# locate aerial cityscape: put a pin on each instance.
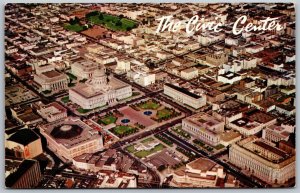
(97, 96)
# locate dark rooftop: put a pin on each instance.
(183, 90)
(23, 168)
(24, 136)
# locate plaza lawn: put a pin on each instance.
(145, 153)
(147, 140)
(130, 149)
(122, 130)
(112, 22)
(74, 27)
(149, 105)
(65, 99)
(108, 120)
(163, 113)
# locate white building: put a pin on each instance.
(262, 160)
(184, 96)
(51, 80)
(201, 172)
(51, 112)
(277, 133)
(253, 123)
(123, 65)
(83, 69)
(99, 90)
(204, 127)
(71, 137)
(141, 78)
(189, 73)
(145, 79)
(229, 77)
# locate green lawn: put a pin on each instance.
(147, 140)
(108, 119)
(130, 149)
(181, 132)
(144, 153)
(81, 110)
(219, 146)
(163, 113)
(65, 99)
(75, 27)
(149, 105)
(71, 76)
(46, 91)
(112, 22)
(71, 84)
(123, 130)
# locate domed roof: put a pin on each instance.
(99, 72)
(66, 131)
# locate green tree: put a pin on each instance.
(101, 16)
(118, 23)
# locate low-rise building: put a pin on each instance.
(277, 133)
(204, 127)
(51, 112)
(184, 96)
(201, 172)
(189, 73)
(25, 143)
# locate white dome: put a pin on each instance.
(99, 72)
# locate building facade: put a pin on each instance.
(84, 69)
(201, 172)
(100, 90)
(25, 143)
(51, 112)
(71, 137)
(204, 127)
(262, 160)
(51, 80)
(184, 96)
(28, 175)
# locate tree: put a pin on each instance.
(101, 16)
(118, 23)
(90, 14)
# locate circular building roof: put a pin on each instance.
(66, 131)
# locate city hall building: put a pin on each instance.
(99, 90)
(256, 157)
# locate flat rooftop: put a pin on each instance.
(202, 164)
(51, 74)
(183, 90)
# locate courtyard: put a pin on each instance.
(145, 147)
